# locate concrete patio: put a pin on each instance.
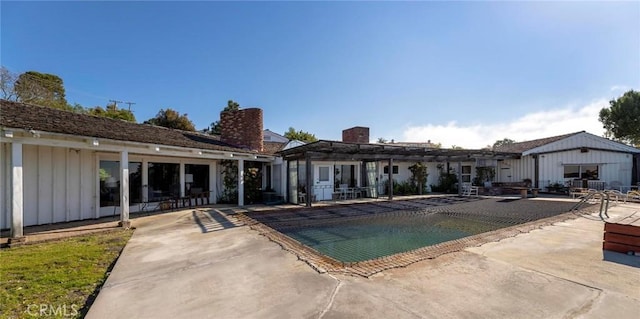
(204, 264)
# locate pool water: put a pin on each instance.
(361, 239)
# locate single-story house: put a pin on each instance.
(60, 166)
(578, 159)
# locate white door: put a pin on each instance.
(322, 182)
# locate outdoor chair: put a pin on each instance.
(635, 195)
(578, 192)
(615, 185)
(615, 194)
(343, 190)
(468, 189)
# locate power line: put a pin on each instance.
(48, 82)
(115, 103)
(129, 103)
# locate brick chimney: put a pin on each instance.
(357, 134)
(243, 128)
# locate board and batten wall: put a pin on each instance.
(5, 188)
(613, 166)
(515, 170)
(58, 184)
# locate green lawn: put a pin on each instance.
(55, 279)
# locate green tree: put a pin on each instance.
(7, 81)
(502, 142)
(216, 127)
(41, 89)
(419, 175)
(112, 111)
(292, 134)
(171, 119)
(382, 140)
(622, 119)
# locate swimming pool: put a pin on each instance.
(371, 237)
(366, 238)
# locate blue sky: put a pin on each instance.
(458, 73)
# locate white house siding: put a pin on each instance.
(404, 174)
(58, 184)
(434, 174)
(515, 170)
(612, 166)
(579, 141)
(4, 186)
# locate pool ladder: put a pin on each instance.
(594, 194)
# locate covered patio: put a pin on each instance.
(309, 166)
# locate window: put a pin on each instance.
(395, 169)
(581, 171)
(345, 174)
(466, 173)
(323, 172)
(302, 176)
(164, 181)
(267, 174)
(200, 178)
(110, 183)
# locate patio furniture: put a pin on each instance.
(578, 192)
(343, 191)
(597, 185)
(468, 189)
(525, 190)
(302, 198)
(615, 185)
(635, 195)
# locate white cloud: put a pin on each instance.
(531, 126)
(619, 88)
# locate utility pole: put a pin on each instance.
(115, 103)
(130, 103)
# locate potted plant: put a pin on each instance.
(484, 176)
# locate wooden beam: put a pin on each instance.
(309, 186)
(390, 171)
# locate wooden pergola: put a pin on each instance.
(324, 150)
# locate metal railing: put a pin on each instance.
(595, 195)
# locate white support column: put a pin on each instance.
(459, 178)
(96, 195)
(271, 174)
(390, 177)
(145, 180)
(17, 194)
(213, 182)
(240, 182)
(182, 179)
(124, 190)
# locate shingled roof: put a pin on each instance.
(520, 147)
(272, 148)
(46, 119)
